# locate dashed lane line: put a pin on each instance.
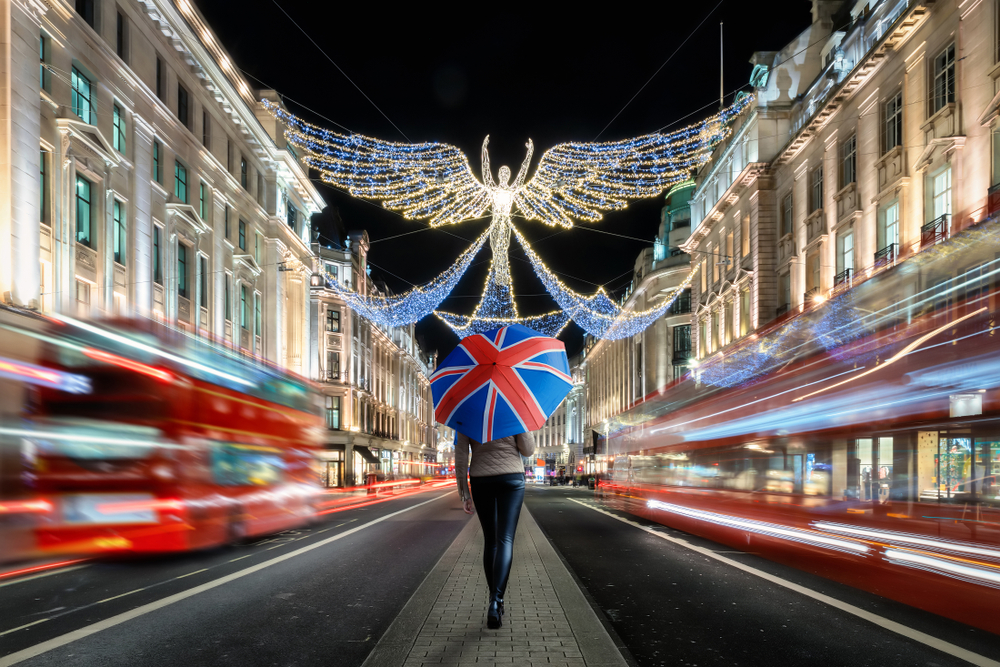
(49, 573)
(70, 637)
(892, 626)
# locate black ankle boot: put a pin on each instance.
(494, 615)
(500, 607)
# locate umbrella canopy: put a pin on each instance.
(502, 382)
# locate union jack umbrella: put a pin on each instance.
(502, 382)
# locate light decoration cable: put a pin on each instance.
(573, 181)
(413, 305)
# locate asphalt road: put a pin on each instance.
(327, 605)
(671, 605)
(325, 595)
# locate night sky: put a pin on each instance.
(552, 76)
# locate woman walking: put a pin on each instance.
(498, 491)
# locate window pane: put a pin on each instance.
(83, 210)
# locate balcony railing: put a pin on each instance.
(331, 376)
(781, 310)
(811, 294)
(844, 278)
(681, 356)
(934, 231)
(886, 256)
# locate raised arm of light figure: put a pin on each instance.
(521, 175)
(487, 174)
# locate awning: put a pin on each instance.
(366, 454)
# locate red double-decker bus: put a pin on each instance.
(177, 445)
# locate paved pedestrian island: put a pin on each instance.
(547, 622)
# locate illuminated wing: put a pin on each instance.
(577, 181)
(428, 180)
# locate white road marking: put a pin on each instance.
(48, 573)
(892, 626)
(70, 637)
(28, 625)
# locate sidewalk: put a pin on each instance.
(547, 622)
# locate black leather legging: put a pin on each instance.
(498, 501)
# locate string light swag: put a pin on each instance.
(597, 314)
(413, 305)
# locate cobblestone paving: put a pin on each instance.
(535, 628)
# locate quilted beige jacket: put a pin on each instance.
(496, 457)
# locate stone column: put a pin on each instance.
(142, 217)
(20, 115)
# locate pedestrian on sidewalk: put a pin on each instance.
(498, 492)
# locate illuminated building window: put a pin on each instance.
(333, 413)
(816, 189)
(182, 270)
(333, 366)
(183, 105)
(888, 225)
(256, 314)
(812, 272)
(745, 311)
(43, 188)
(157, 162)
(243, 235)
(784, 293)
(243, 173)
(118, 129)
(745, 234)
(244, 306)
(892, 122)
(180, 181)
(682, 304)
(290, 215)
(202, 201)
(44, 78)
(944, 78)
(203, 281)
(158, 254)
(83, 211)
(941, 193)
(786, 215)
(228, 302)
(845, 251)
(333, 320)
(714, 336)
(81, 97)
(848, 161)
(120, 232)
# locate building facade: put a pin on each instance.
(618, 374)
(379, 409)
(142, 177)
(873, 136)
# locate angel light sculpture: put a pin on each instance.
(573, 181)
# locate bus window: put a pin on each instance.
(236, 465)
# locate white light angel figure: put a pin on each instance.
(573, 181)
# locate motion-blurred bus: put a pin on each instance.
(859, 438)
(176, 444)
